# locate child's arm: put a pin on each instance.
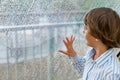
(77, 61)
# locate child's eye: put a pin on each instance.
(85, 23)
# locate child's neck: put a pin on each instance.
(99, 51)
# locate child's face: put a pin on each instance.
(90, 40)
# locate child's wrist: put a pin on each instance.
(73, 54)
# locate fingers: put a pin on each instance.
(64, 41)
(68, 41)
(64, 52)
(71, 54)
(69, 47)
(72, 39)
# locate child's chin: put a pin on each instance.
(88, 44)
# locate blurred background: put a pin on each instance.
(31, 32)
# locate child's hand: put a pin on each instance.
(68, 42)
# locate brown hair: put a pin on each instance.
(104, 24)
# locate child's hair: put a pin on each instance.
(104, 24)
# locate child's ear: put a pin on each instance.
(96, 39)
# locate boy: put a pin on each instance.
(101, 31)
